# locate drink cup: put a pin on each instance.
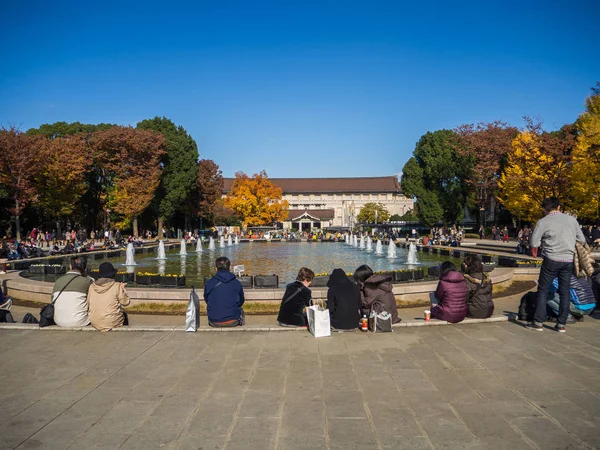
(427, 315)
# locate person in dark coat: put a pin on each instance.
(296, 297)
(479, 289)
(343, 301)
(224, 297)
(376, 292)
(451, 295)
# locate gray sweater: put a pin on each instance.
(558, 232)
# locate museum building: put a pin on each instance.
(335, 202)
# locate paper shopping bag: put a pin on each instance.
(192, 315)
(318, 321)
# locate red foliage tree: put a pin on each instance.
(19, 165)
(210, 186)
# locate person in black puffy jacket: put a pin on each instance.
(451, 295)
(343, 301)
(296, 297)
(479, 289)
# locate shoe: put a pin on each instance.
(571, 320)
(560, 328)
(535, 326)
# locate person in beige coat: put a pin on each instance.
(106, 299)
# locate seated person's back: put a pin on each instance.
(296, 297)
(451, 294)
(376, 292)
(224, 296)
(479, 289)
(71, 305)
(343, 301)
(106, 298)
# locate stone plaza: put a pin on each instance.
(477, 386)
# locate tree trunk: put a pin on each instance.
(160, 228)
(18, 225)
(135, 227)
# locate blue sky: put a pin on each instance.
(298, 88)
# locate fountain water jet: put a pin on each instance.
(355, 241)
(222, 241)
(237, 239)
(369, 244)
(412, 254)
(229, 240)
(130, 261)
(379, 247)
(183, 251)
(199, 245)
(362, 241)
(391, 249)
(211, 243)
(161, 250)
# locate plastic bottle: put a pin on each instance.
(364, 323)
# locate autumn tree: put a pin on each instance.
(435, 175)
(64, 129)
(209, 187)
(129, 162)
(223, 216)
(19, 165)
(256, 199)
(585, 171)
(61, 182)
(373, 212)
(487, 144)
(536, 167)
(178, 180)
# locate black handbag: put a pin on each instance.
(47, 312)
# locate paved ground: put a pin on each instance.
(469, 386)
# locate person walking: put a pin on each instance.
(557, 232)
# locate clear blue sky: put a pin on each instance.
(298, 88)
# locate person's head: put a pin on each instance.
(79, 263)
(106, 270)
(550, 204)
(362, 273)
(473, 264)
(445, 267)
(305, 276)
(223, 263)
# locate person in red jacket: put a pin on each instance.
(450, 294)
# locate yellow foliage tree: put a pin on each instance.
(585, 172)
(537, 167)
(256, 199)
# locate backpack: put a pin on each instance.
(30, 318)
(527, 306)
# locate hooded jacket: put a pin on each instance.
(377, 294)
(479, 295)
(295, 299)
(224, 297)
(105, 299)
(343, 301)
(452, 295)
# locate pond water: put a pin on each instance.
(266, 258)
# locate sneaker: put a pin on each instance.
(560, 328)
(535, 326)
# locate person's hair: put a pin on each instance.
(223, 263)
(362, 273)
(305, 274)
(79, 263)
(473, 264)
(550, 203)
(445, 267)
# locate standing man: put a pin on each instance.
(224, 297)
(558, 233)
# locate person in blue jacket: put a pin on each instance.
(224, 297)
(582, 300)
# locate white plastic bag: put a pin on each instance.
(192, 315)
(318, 321)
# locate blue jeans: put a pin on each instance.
(549, 271)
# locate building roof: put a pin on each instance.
(389, 184)
(317, 214)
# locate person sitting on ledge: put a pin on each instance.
(70, 293)
(343, 301)
(449, 301)
(479, 289)
(376, 292)
(224, 297)
(107, 298)
(296, 297)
